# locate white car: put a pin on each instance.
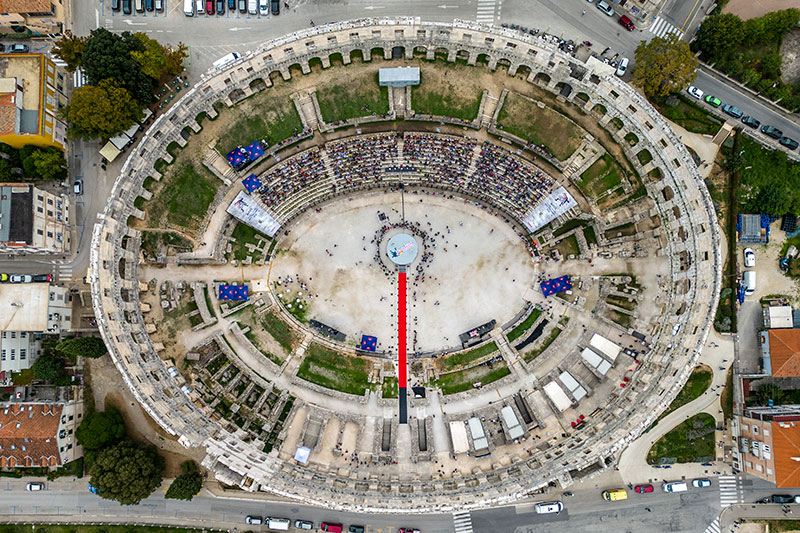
(603, 6)
(623, 67)
(701, 483)
(21, 278)
(749, 258)
(694, 91)
(35, 486)
(263, 7)
(303, 524)
(549, 507)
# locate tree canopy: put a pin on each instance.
(50, 367)
(92, 347)
(47, 164)
(100, 111)
(185, 486)
(107, 56)
(664, 65)
(70, 50)
(101, 429)
(127, 472)
(719, 35)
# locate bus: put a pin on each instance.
(615, 495)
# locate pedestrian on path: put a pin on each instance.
(583, 12)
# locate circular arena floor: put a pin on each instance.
(477, 270)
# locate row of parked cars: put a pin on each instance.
(747, 120)
(283, 524)
(126, 6)
(25, 278)
(217, 7)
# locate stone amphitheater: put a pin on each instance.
(550, 393)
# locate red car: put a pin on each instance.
(210, 7)
(628, 23)
(641, 489)
(331, 528)
(408, 530)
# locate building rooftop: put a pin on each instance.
(786, 447)
(8, 112)
(25, 6)
(784, 352)
(23, 306)
(28, 434)
(16, 212)
(780, 316)
(27, 69)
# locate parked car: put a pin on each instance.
(242, 6)
(220, 7)
(43, 278)
(263, 7)
(126, 7)
(35, 486)
(304, 525)
(623, 67)
(20, 278)
(627, 23)
(116, 5)
(771, 131)
(603, 6)
(694, 91)
(231, 5)
(701, 483)
(3, 277)
(782, 498)
(643, 489)
(749, 258)
(253, 520)
(356, 529)
(408, 530)
(18, 49)
(747, 120)
(331, 527)
(546, 508)
(77, 187)
(713, 100)
(276, 7)
(148, 5)
(735, 112)
(159, 5)
(789, 143)
(210, 7)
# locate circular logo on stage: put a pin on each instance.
(402, 249)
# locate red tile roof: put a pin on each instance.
(28, 435)
(25, 6)
(784, 352)
(8, 113)
(786, 450)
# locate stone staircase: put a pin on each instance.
(490, 105)
(305, 106)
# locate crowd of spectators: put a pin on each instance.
(361, 160)
(291, 177)
(444, 159)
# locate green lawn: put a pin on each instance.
(463, 358)
(622, 319)
(389, 387)
(590, 235)
(356, 96)
(457, 95)
(334, 370)
(77, 528)
(279, 330)
(463, 380)
(602, 176)
(644, 157)
(621, 301)
(568, 226)
(568, 246)
(689, 442)
(698, 382)
(689, 115)
(521, 116)
(525, 325)
(244, 234)
(544, 344)
(183, 198)
(153, 241)
(765, 169)
(625, 230)
(271, 119)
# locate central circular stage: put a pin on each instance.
(402, 249)
(471, 268)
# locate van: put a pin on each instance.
(140, 6)
(252, 7)
(278, 524)
(615, 495)
(188, 8)
(749, 282)
(224, 60)
(200, 7)
(549, 507)
(674, 486)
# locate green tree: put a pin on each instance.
(46, 164)
(664, 65)
(108, 56)
(49, 367)
(127, 472)
(70, 50)
(767, 392)
(101, 429)
(173, 58)
(151, 59)
(92, 347)
(773, 199)
(719, 35)
(6, 169)
(100, 111)
(185, 486)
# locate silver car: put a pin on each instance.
(605, 8)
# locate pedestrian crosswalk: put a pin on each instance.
(463, 522)
(714, 527)
(662, 27)
(487, 10)
(64, 272)
(729, 491)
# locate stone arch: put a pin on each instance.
(441, 53)
(668, 193)
(357, 53)
(582, 96)
(681, 309)
(564, 89)
(295, 68)
(599, 110)
(258, 84)
(236, 95)
(398, 52)
(503, 63)
(644, 156)
(542, 78)
(336, 59)
(275, 76)
(676, 212)
(617, 123)
(462, 56)
(482, 58)
(315, 62)
(656, 174)
(631, 138)
(378, 51)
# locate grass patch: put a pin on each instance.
(689, 442)
(589, 235)
(621, 301)
(524, 326)
(622, 319)
(644, 157)
(776, 526)
(463, 380)
(625, 230)
(153, 242)
(601, 178)
(568, 226)
(334, 370)
(543, 126)
(279, 330)
(358, 95)
(389, 387)
(269, 355)
(536, 352)
(463, 358)
(687, 114)
(272, 120)
(183, 198)
(764, 169)
(243, 235)
(568, 246)
(458, 96)
(697, 384)
(22, 378)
